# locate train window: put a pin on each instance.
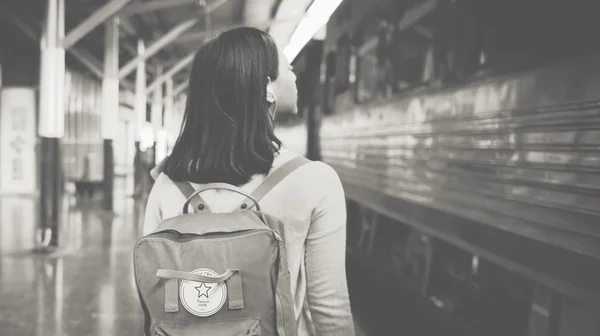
(564, 28)
(330, 65)
(387, 60)
(409, 50)
(329, 84)
(368, 69)
(303, 92)
(458, 39)
(506, 35)
(342, 64)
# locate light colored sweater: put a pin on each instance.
(311, 204)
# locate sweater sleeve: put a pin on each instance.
(325, 259)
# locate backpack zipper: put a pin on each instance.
(172, 235)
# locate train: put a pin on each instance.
(466, 134)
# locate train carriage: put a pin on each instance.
(466, 134)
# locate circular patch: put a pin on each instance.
(202, 298)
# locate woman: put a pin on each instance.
(238, 82)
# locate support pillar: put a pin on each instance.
(314, 101)
(51, 123)
(110, 106)
(140, 118)
(169, 114)
(156, 114)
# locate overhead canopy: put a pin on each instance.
(172, 29)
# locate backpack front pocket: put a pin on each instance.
(237, 327)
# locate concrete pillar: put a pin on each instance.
(140, 116)
(169, 113)
(110, 105)
(156, 112)
(51, 121)
(314, 52)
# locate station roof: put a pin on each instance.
(186, 23)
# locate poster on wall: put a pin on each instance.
(17, 141)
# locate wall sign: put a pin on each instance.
(17, 140)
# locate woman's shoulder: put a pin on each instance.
(322, 172)
(164, 186)
(315, 174)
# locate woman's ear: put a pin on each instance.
(271, 92)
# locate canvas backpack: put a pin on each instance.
(217, 274)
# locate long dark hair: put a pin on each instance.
(227, 134)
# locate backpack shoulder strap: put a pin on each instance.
(185, 187)
(187, 190)
(272, 180)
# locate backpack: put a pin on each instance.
(217, 274)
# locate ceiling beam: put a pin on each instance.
(167, 39)
(128, 28)
(183, 75)
(216, 4)
(157, 46)
(9, 16)
(157, 5)
(89, 61)
(82, 55)
(169, 74)
(195, 36)
(153, 5)
(179, 89)
(96, 19)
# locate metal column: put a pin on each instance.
(110, 105)
(51, 121)
(314, 52)
(156, 112)
(169, 113)
(140, 117)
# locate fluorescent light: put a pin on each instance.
(317, 16)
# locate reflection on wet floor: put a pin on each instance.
(86, 288)
(18, 216)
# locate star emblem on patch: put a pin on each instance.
(203, 298)
(203, 290)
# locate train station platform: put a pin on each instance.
(467, 150)
(84, 288)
